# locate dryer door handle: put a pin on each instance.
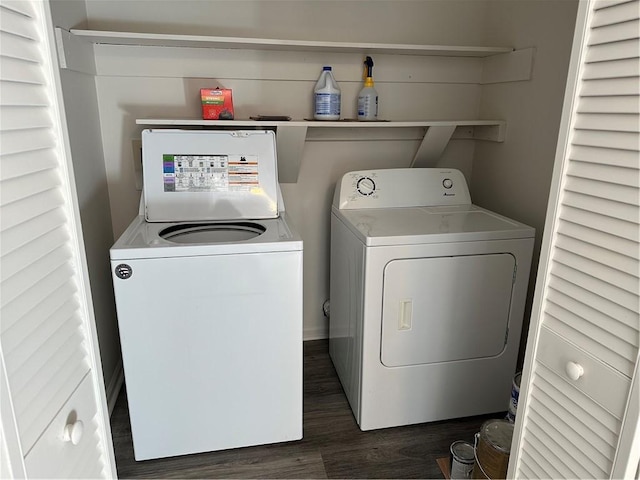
(405, 314)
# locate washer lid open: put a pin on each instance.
(200, 175)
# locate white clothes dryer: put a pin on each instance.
(427, 297)
(208, 288)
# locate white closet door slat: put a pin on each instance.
(26, 163)
(15, 47)
(12, 263)
(603, 439)
(579, 197)
(19, 70)
(21, 96)
(17, 141)
(596, 286)
(601, 422)
(616, 32)
(25, 362)
(627, 284)
(627, 176)
(19, 118)
(20, 188)
(28, 277)
(611, 315)
(611, 15)
(608, 306)
(595, 221)
(29, 299)
(17, 18)
(627, 67)
(609, 86)
(600, 4)
(583, 460)
(614, 140)
(37, 319)
(587, 303)
(22, 233)
(604, 240)
(613, 51)
(606, 256)
(14, 214)
(21, 343)
(539, 459)
(597, 323)
(621, 122)
(529, 471)
(620, 104)
(43, 305)
(615, 158)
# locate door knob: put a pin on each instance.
(574, 370)
(73, 432)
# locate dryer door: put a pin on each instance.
(444, 309)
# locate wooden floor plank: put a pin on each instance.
(333, 446)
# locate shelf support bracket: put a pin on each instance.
(290, 141)
(433, 144)
(74, 53)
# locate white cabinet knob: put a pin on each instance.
(574, 370)
(73, 432)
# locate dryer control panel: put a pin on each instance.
(401, 187)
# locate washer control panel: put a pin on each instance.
(401, 187)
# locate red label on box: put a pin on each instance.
(217, 104)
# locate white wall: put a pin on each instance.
(85, 136)
(514, 178)
(143, 82)
(385, 21)
(146, 82)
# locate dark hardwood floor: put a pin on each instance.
(333, 446)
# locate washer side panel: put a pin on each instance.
(212, 350)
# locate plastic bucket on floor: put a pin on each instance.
(492, 449)
(461, 459)
(515, 394)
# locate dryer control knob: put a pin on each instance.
(447, 183)
(366, 186)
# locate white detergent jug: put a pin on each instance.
(327, 97)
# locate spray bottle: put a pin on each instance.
(368, 97)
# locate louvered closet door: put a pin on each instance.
(583, 342)
(43, 335)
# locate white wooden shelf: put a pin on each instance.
(291, 135)
(202, 41)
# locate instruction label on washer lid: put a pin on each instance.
(209, 173)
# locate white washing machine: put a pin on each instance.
(208, 287)
(427, 297)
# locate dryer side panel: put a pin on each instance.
(446, 309)
(345, 323)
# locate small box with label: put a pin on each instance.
(217, 104)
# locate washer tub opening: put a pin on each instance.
(212, 232)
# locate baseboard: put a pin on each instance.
(113, 389)
(317, 333)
